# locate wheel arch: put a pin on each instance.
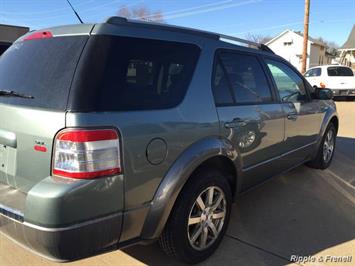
(225, 165)
(335, 122)
(331, 116)
(210, 152)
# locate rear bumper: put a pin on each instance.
(66, 243)
(64, 219)
(343, 92)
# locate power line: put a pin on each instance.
(56, 10)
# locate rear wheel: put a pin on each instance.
(199, 219)
(326, 149)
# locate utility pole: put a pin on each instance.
(305, 36)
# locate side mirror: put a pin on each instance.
(324, 94)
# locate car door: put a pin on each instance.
(303, 115)
(250, 118)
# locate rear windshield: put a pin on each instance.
(123, 73)
(43, 69)
(340, 71)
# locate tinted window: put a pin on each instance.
(121, 73)
(221, 90)
(340, 71)
(289, 84)
(43, 69)
(316, 72)
(3, 47)
(247, 78)
(308, 73)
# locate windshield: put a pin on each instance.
(42, 69)
(340, 71)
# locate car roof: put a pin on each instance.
(135, 28)
(194, 32)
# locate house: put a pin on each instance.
(289, 45)
(9, 34)
(347, 51)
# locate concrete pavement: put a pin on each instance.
(304, 212)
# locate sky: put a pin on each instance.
(329, 19)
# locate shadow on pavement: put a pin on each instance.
(300, 213)
(344, 160)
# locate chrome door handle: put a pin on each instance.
(235, 123)
(292, 116)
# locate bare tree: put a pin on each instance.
(158, 16)
(332, 47)
(142, 13)
(258, 38)
(124, 12)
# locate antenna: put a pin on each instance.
(76, 14)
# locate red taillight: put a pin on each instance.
(86, 154)
(39, 35)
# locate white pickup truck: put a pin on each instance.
(340, 79)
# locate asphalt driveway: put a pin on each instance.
(304, 212)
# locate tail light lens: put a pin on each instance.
(86, 154)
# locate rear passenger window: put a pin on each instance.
(140, 75)
(136, 74)
(340, 72)
(221, 90)
(247, 79)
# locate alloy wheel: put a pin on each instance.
(328, 146)
(206, 218)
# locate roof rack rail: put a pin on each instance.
(259, 46)
(213, 35)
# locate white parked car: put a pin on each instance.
(340, 79)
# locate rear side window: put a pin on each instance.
(43, 69)
(340, 72)
(221, 90)
(247, 79)
(122, 73)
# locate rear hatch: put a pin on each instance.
(340, 78)
(36, 73)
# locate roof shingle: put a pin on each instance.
(350, 43)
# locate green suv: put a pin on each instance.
(128, 132)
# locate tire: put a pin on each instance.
(321, 161)
(178, 238)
